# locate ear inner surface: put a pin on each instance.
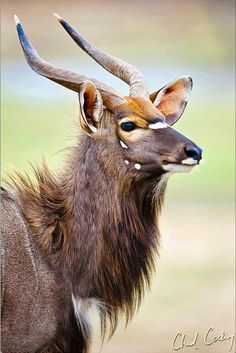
(91, 106)
(172, 99)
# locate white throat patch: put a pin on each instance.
(82, 309)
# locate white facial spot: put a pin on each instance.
(189, 161)
(137, 166)
(123, 145)
(158, 125)
(126, 162)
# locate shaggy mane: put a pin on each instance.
(103, 246)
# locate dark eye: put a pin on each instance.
(128, 126)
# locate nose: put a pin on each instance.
(194, 152)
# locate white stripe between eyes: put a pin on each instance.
(158, 125)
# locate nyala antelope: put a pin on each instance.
(88, 236)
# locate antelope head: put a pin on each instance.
(139, 126)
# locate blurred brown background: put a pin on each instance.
(193, 288)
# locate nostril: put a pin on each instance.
(193, 152)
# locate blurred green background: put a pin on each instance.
(193, 287)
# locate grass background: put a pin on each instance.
(193, 287)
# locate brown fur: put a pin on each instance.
(96, 222)
(94, 226)
(98, 228)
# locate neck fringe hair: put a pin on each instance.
(122, 253)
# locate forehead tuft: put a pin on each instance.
(138, 107)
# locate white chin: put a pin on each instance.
(177, 168)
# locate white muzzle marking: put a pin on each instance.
(185, 166)
(177, 168)
(189, 161)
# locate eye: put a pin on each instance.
(128, 126)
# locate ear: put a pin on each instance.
(172, 99)
(91, 107)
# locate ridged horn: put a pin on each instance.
(68, 79)
(115, 66)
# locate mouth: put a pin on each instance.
(184, 166)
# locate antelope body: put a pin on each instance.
(89, 236)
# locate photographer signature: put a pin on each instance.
(181, 341)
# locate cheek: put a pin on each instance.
(140, 146)
(144, 151)
(132, 137)
(146, 143)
